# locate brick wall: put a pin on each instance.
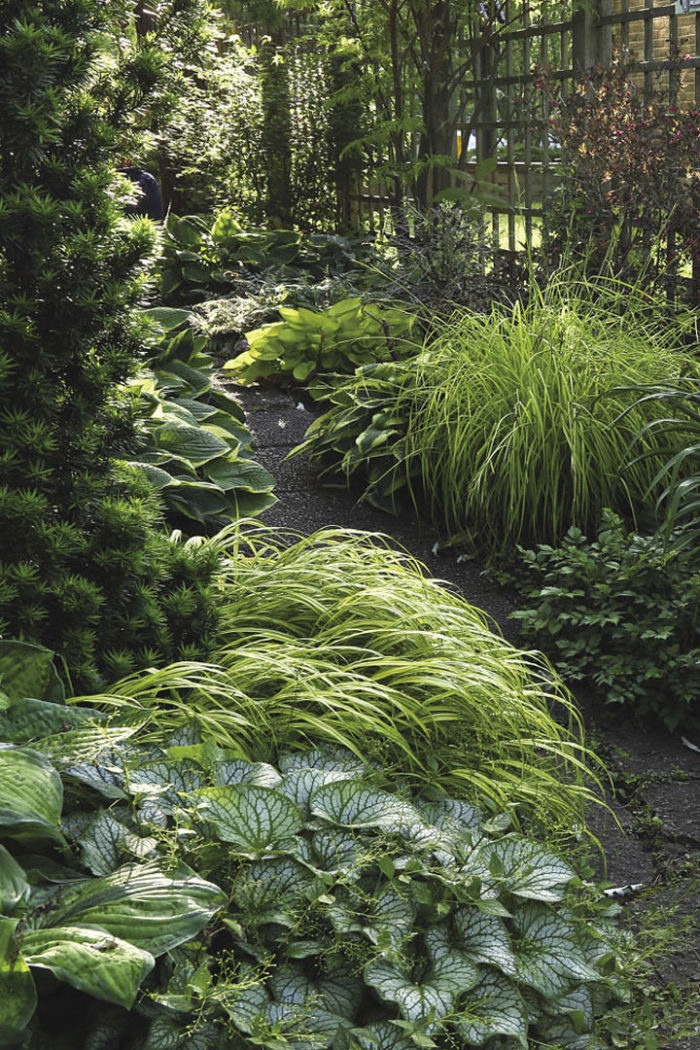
(656, 39)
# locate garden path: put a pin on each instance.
(656, 775)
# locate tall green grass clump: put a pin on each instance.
(507, 427)
(338, 638)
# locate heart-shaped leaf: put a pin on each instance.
(239, 771)
(494, 1007)
(484, 938)
(528, 869)
(252, 818)
(547, 954)
(380, 1036)
(352, 804)
(425, 1001)
(90, 960)
(275, 889)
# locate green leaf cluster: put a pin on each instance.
(307, 343)
(350, 914)
(622, 614)
(195, 445)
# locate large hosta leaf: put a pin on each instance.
(13, 882)
(352, 804)
(528, 870)
(17, 991)
(250, 817)
(196, 444)
(26, 719)
(495, 1007)
(484, 938)
(275, 889)
(31, 795)
(27, 670)
(548, 957)
(140, 903)
(90, 960)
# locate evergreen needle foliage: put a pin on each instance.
(342, 639)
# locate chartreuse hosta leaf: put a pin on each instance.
(13, 882)
(352, 804)
(31, 795)
(90, 960)
(547, 953)
(494, 1007)
(17, 991)
(143, 904)
(252, 818)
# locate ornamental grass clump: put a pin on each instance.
(507, 427)
(340, 639)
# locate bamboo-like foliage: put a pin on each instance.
(341, 638)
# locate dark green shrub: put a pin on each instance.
(84, 565)
(622, 614)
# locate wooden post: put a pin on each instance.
(585, 35)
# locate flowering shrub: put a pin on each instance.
(630, 191)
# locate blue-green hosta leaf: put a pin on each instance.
(90, 960)
(242, 474)
(528, 870)
(485, 939)
(380, 1036)
(338, 990)
(196, 444)
(350, 803)
(140, 903)
(27, 719)
(31, 795)
(13, 882)
(239, 771)
(427, 1001)
(27, 670)
(547, 955)
(252, 818)
(17, 991)
(451, 968)
(276, 889)
(157, 477)
(105, 842)
(300, 784)
(494, 1007)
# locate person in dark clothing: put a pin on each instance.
(149, 201)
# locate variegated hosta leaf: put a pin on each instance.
(90, 960)
(275, 889)
(494, 1007)
(239, 771)
(428, 1001)
(140, 903)
(527, 869)
(351, 804)
(338, 990)
(380, 1036)
(17, 992)
(547, 956)
(253, 818)
(300, 784)
(451, 967)
(484, 938)
(332, 759)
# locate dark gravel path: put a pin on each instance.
(656, 775)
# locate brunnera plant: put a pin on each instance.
(227, 903)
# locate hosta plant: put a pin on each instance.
(338, 339)
(194, 442)
(351, 914)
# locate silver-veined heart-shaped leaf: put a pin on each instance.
(300, 784)
(548, 957)
(351, 804)
(143, 904)
(17, 991)
(385, 918)
(106, 842)
(105, 774)
(380, 1036)
(275, 889)
(453, 814)
(252, 818)
(336, 990)
(13, 882)
(244, 998)
(31, 795)
(340, 852)
(91, 961)
(239, 771)
(451, 967)
(577, 1005)
(425, 1001)
(484, 938)
(527, 868)
(494, 1007)
(332, 759)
